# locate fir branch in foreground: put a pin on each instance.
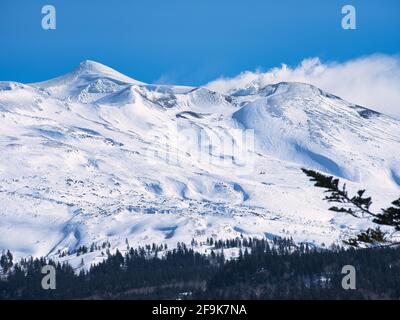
(358, 206)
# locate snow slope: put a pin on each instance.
(96, 156)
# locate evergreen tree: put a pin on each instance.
(358, 206)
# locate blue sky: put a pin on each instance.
(188, 42)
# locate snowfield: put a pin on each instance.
(95, 156)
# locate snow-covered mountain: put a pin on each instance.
(94, 155)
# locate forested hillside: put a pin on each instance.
(277, 269)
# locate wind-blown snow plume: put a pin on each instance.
(372, 81)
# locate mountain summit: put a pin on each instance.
(101, 70)
(89, 75)
(95, 156)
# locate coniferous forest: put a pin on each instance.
(278, 269)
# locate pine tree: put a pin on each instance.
(358, 206)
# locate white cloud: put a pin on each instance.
(372, 81)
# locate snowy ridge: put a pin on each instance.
(96, 156)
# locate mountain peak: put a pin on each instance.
(92, 65)
(96, 68)
(294, 88)
(85, 74)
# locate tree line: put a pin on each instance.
(263, 269)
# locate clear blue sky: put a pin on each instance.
(188, 41)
